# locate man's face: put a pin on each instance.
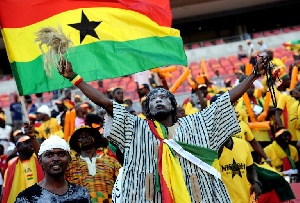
(55, 161)
(101, 114)
(160, 102)
(283, 139)
(77, 100)
(118, 95)
(286, 82)
(128, 102)
(40, 116)
(68, 94)
(25, 148)
(85, 140)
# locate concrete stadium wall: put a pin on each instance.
(227, 49)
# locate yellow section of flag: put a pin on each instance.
(117, 25)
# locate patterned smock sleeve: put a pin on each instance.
(220, 121)
(119, 128)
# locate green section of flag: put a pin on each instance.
(204, 154)
(102, 60)
(273, 181)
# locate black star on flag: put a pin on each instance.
(235, 169)
(48, 131)
(86, 27)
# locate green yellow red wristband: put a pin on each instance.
(75, 79)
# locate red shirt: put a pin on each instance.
(3, 164)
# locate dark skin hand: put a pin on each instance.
(252, 176)
(239, 90)
(163, 80)
(29, 130)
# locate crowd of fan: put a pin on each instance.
(96, 163)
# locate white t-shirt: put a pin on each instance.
(142, 77)
(263, 49)
(250, 49)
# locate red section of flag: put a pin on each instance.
(165, 192)
(16, 13)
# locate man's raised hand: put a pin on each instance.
(65, 69)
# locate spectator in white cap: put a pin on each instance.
(54, 156)
(49, 125)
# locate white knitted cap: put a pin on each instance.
(54, 142)
(44, 109)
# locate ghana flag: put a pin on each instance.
(111, 38)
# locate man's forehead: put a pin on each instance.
(55, 150)
(159, 92)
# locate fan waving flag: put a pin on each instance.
(111, 38)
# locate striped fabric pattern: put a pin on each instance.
(209, 128)
(101, 184)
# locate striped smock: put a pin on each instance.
(209, 128)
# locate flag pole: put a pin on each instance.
(24, 108)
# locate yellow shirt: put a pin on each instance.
(263, 134)
(275, 160)
(192, 111)
(233, 171)
(278, 62)
(188, 107)
(294, 117)
(29, 177)
(48, 127)
(245, 133)
(287, 101)
(243, 114)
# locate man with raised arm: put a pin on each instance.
(165, 158)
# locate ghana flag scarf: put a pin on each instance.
(111, 38)
(272, 182)
(169, 177)
(15, 179)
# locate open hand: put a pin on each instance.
(65, 69)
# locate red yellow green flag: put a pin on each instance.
(111, 38)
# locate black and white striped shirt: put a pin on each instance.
(209, 128)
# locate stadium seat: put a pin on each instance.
(207, 44)
(267, 33)
(288, 53)
(194, 65)
(131, 87)
(287, 30)
(289, 61)
(256, 35)
(237, 65)
(219, 41)
(193, 46)
(233, 59)
(222, 59)
(276, 32)
(245, 60)
(216, 66)
(280, 49)
(225, 63)
(277, 54)
(212, 61)
(296, 28)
